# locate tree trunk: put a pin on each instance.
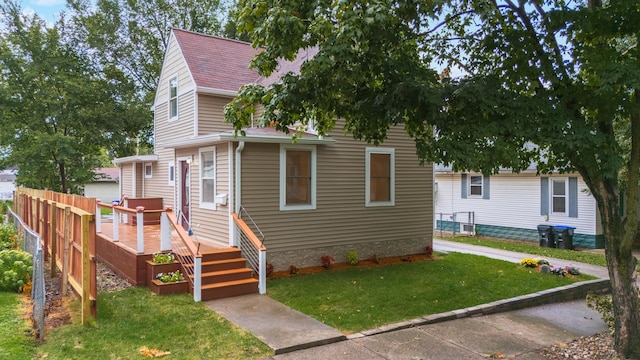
(622, 271)
(63, 178)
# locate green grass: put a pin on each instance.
(535, 249)
(133, 318)
(106, 211)
(357, 299)
(15, 340)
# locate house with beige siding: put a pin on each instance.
(319, 196)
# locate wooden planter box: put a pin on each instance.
(154, 269)
(160, 288)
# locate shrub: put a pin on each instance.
(352, 257)
(542, 261)
(327, 261)
(529, 262)
(293, 270)
(374, 259)
(429, 250)
(162, 258)
(8, 237)
(15, 269)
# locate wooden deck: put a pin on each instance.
(122, 256)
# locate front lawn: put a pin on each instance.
(132, 319)
(534, 249)
(357, 299)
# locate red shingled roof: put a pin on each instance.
(215, 62)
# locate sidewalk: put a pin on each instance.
(495, 329)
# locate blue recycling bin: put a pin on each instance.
(564, 236)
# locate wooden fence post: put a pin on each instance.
(65, 256)
(53, 231)
(86, 270)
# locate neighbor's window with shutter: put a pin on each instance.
(559, 196)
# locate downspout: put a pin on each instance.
(238, 159)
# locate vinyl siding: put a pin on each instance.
(514, 202)
(340, 217)
(211, 114)
(126, 179)
(210, 226)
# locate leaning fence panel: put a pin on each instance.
(31, 244)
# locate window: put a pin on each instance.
(172, 173)
(558, 196)
(380, 177)
(297, 177)
(207, 178)
(148, 171)
(173, 98)
(475, 185)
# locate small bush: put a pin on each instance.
(8, 237)
(374, 259)
(429, 250)
(15, 269)
(542, 261)
(352, 257)
(327, 261)
(604, 305)
(529, 262)
(293, 270)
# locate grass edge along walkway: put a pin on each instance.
(356, 299)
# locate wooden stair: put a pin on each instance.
(225, 274)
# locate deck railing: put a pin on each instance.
(122, 214)
(187, 252)
(252, 249)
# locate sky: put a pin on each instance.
(46, 9)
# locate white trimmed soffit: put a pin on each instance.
(136, 159)
(219, 92)
(211, 139)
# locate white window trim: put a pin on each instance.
(171, 180)
(469, 195)
(206, 204)
(283, 177)
(392, 185)
(566, 197)
(150, 166)
(173, 118)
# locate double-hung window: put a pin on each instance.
(148, 171)
(297, 177)
(475, 185)
(208, 177)
(380, 177)
(558, 196)
(173, 97)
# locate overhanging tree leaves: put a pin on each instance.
(561, 75)
(59, 112)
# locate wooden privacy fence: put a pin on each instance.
(66, 224)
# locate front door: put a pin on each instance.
(185, 193)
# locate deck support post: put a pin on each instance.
(98, 217)
(262, 276)
(197, 278)
(140, 228)
(165, 231)
(116, 221)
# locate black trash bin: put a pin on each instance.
(545, 235)
(564, 236)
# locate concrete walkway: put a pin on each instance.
(480, 332)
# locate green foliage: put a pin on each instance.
(170, 276)
(15, 269)
(163, 258)
(352, 257)
(8, 237)
(604, 305)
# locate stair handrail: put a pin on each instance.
(184, 241)
(253, 250)
(243, 210)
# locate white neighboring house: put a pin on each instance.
(106, 185)
(7, 183)
(511, 206)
